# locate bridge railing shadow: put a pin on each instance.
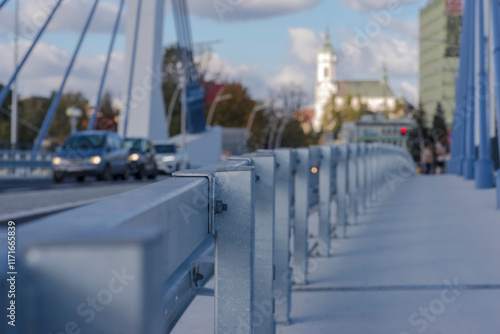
(134, 262)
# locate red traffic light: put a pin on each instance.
(404, 130)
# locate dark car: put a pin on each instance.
(142, 158)
(91, 153)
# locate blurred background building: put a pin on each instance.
(361, 95)
(440, 26)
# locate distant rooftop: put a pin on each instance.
(364, 88)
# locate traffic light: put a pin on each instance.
(403, 131)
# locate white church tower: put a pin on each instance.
(326, 81)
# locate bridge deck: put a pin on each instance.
(391, 274)
(26, 205)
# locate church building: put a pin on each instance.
(375, 95)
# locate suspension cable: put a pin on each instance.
(93, 119)
(132, 68)
(55, 102)
(3, 3)
(6, 89)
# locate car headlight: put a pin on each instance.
(134, 157)
(56, 161)
(95, 160)
(169, 158)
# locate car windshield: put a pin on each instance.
(165, 149)
(84, 142)
(133, 144)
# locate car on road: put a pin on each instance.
(91, 153)
(142, 158)
(170, 158)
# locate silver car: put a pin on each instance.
(170, 158)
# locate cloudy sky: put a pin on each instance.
(265, 44)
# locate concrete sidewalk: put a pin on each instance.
(425, 259)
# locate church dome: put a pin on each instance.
(328, 45)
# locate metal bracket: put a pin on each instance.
(211, 191)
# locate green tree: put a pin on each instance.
(5, 110)
(335, 116)
(420, 135)
(439, 128)
(294, 136)
(235, 111)
(169, 86)
(106, 117)
(332, 120)
(60, 127)
(285, 128)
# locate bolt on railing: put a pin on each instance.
(134, 262)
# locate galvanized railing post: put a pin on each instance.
(341, 195)
(352, 183)
(361, 178)
(285, 161)
(234, 231)
(374, 166)
(301, 216)
(265, 174)
(380, 162)
(369, 171)
(325, 199)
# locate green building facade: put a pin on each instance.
(440, 26)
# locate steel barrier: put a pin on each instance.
(25, 164)
(134, 262)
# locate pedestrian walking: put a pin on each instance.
(428, 159)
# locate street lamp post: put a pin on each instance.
(183, 84)
(218, 98)
(255, 110)
(171, 106)
(73, 114)
(281, 130)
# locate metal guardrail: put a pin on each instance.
(25, 164)
(134, 262)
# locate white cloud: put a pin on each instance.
(44, 70)
(360, 56)
(410, 91)
(293, 74)
(219, 69)
(305, 44)
(405, 28)
(369, 5)
(242, 10)
(71, 16)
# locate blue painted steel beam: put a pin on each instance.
(195, 94)
(57, 98)
(2, 3)
(495, 14)
(457, 152)
(6, 88)
(132, 68)
(470, 148)
(93, 119)
(484, 165)
(462, 106)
